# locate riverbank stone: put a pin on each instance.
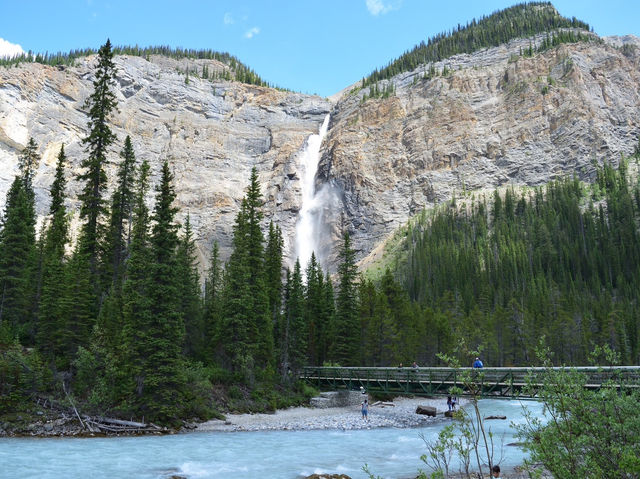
(427, 410)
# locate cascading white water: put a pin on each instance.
(310, 209)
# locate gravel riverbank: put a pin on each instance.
(401, 414)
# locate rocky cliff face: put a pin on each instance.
(497, 118)
(212, 133)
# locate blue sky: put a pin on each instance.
(313, 47)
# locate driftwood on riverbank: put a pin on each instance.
(107, 424)
(57, 418)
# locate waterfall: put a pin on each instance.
(307, 226)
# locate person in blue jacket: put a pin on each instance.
(477, 363)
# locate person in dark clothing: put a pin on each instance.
(495, 471)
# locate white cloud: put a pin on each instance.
(378, 7)
(228, 19)
(8, 50)
(252, 32)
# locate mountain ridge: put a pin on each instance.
(475, 121)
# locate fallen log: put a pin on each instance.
(495, 417)
(119, 422)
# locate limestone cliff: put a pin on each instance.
(212, 133)
(497, 118)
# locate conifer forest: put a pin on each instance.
(121, 320)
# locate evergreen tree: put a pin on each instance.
(237, 302)
(247, 321)
(118, 238)
(314, 310)
(273, 275)
(262, 327)
(295, 331)
(115, 249)
(137, 337)
(346, 340)
(212, 313)
(18, 250)
(77, 307)
(189, 293)
(164, 377)
(153, 324)
(327, 319)
(51, 323)
(101, 103)
(28, 163)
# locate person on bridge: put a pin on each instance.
(495, 471)
(478, 364)
(414, 365)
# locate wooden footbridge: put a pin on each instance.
(490, 382)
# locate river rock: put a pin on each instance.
(427, 410)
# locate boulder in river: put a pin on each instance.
(427, 410)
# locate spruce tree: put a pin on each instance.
(77, 308)
(137, 336)
(314, 310)
(246, 318)
(212, 308)
(164, 384)
(51, 323)
(261, 329)
(18, 250)
(114, 251)
(118, 238)
(101, 104)
(327, 319)
(273, 274)
(28, 163)
(237, 302)
(345, 346)
(296, 331)
(189, 293)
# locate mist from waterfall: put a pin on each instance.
(310, 214)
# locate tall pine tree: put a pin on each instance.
(118, 237)
(164, 386)
(51, 322)
(18, 250)
(101, 104)
(346, 338)
(189, 293)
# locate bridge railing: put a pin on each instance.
(439, 380)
